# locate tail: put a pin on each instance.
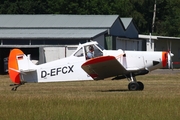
(18, 63)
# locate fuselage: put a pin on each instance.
(69, 68)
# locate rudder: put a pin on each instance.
(13, 66)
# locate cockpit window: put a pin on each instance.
(79, 53)
(97, 52)
(92, 51)
(102, 48)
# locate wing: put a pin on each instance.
(103, 67)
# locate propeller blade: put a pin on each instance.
(170, 63)
(170, 55)
(169, 60)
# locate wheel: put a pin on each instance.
(14, 89)
(141, 85)
(133, 86)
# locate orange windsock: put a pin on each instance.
(13, 66)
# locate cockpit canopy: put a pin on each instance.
(92, 47)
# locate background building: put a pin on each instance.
(40, 35)
(163, 43)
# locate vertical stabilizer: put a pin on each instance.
(13, 66)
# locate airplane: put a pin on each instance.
(115, 64)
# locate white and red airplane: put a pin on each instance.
(117, 64)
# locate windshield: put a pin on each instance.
(101, 47)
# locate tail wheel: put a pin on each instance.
(141, 85)
(133, 86)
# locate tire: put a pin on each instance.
(141, 85)
(132, 86)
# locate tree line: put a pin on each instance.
(159, 17)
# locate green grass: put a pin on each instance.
(92, 100)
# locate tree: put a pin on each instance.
(165, 21)
(168, 17)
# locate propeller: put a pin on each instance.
(170, 55)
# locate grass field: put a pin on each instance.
(92, 100)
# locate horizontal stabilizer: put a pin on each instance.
(27, 71)
(23, 71)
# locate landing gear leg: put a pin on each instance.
(134, 85)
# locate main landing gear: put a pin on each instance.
(134, 85)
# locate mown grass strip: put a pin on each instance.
(108, 100)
